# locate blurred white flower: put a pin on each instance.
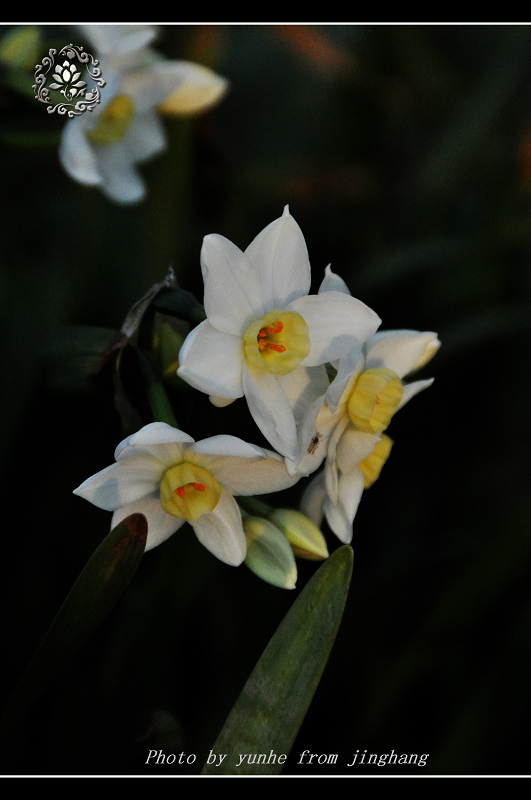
(101, 147)
(162, 473)
(366, 392)
(264, 336)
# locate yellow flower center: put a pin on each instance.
(114, 120)
(371, 466)
(374, 399)
(278, 342)
(188, 491)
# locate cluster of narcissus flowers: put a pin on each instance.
(101, 148)
(266, 339)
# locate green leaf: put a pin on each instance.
(269, 712)
(99, 586)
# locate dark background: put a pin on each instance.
(404, 152)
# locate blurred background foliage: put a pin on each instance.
(404, 152)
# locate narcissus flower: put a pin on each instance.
(366, 392)
(264, 336)
(164, 474)
(101, 147)
(368, 389)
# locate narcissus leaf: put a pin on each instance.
(99, 586)
(273, 703)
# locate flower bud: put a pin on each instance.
(269, 554)
(305, 538)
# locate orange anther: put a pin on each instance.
(199, 486)
(276, 328)
(262, 344)
(180, 492)
(261, 334)
(278, 348)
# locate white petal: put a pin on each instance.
(337, 519)
(221, 531)
(411, 389)
(196, 88)
(162, 441)
(336, 323)
(312, 503)
(145, 87)
(224, 457)
(119, 41)
(280, 258)
(160, 525)
(313, 434)
(153, 433)
(224, 445)
(145, 137)
(400, 351)
(348, 370)
(270, 409)
(212, 362)
(121, 181)
(248, 476)
(77, 156)
(350, 491)
(353, 447)
(303, 387)
(221, 402)
(233, 297)
(332, 283)
(331, 469)
(122, 483)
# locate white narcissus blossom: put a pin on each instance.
(366, 392)
(264, 336)
(164, 474)
(101, 147)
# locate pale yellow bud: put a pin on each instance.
(305, 538)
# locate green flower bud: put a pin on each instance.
(305, 538)
(269, 554)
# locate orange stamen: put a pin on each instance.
(278, 348)
(180, 492)
(276, 328)
(261, 334)
(199, 486)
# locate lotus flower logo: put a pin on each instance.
(68, 81)
(67, 76)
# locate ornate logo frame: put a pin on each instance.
(42, 92)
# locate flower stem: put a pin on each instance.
(158, 399)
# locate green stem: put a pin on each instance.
(158, 399)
